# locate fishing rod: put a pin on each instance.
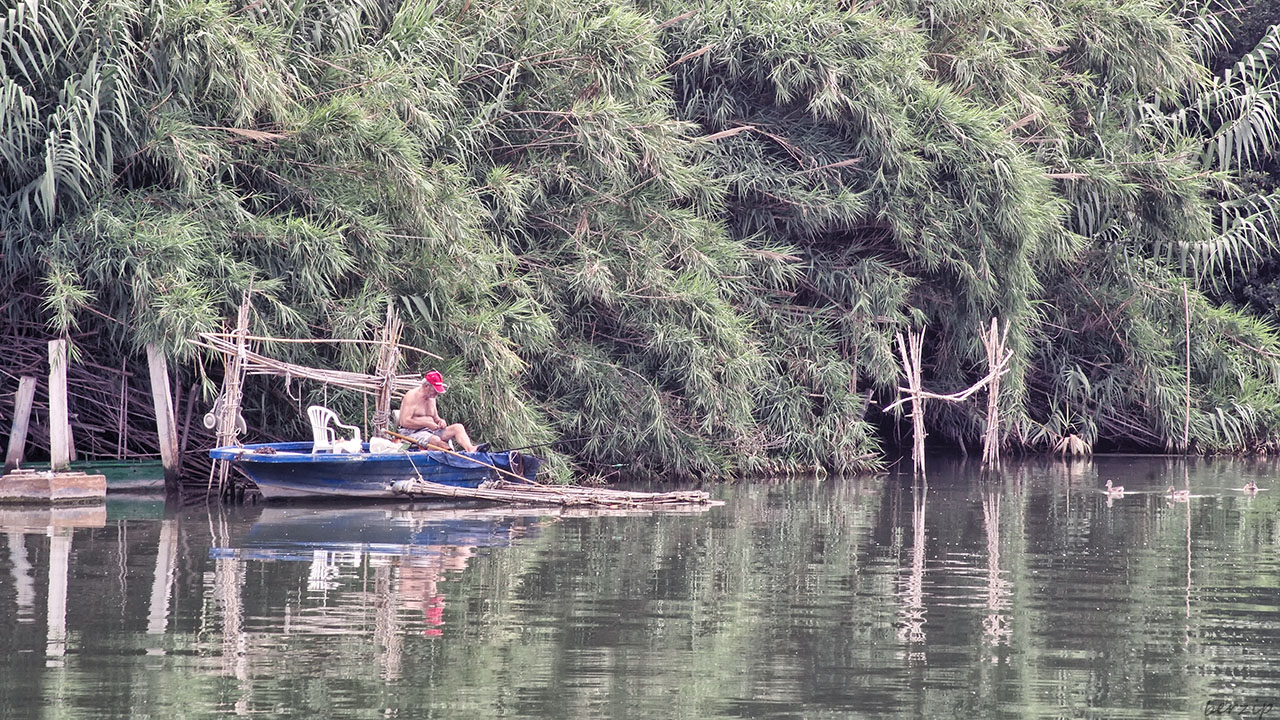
(553, 444)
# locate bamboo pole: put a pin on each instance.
(995, 344)
(166, 427)
(567, 496)
(909, 351)
(59, 424)
(21, 421)
(1186, 428)
(388, 362)
(526, 492)
(232, 389)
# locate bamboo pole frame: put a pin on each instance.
(910, 352)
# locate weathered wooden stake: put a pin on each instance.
(59, 423)
(21, 421)
(166, 427)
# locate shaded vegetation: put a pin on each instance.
(681, 238)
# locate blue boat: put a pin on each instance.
(291, 469)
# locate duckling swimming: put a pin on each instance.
(1114, 491)
(1177, 495)
(1250, 488)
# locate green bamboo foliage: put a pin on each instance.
(682, 237)
(905, 203)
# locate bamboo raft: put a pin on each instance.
(522, 491)
(527, 493)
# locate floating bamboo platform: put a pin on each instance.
(520, 493)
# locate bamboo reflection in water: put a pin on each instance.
(228, 589)
(1186, 483)
(911, 616)
(386, 623)
(24, 584)
(995, 625)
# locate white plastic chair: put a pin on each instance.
(324, 437)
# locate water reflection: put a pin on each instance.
(1025, 591)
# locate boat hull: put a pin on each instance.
(293, 470)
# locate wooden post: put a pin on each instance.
(21, 420)
(165, 424)
(59, 425)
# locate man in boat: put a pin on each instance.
(420, 420)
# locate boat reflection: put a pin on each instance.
(395, 556)
(349, 533)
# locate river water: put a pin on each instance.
(1019, 593)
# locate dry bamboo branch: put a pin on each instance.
(995, 344)
(1186, 428)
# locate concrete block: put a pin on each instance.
(35, 486)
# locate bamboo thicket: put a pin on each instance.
(680, 239)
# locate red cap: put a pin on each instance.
(436, 379)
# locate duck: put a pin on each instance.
(1178, 495)
(1114, 490)
(1250, 488)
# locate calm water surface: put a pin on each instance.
(1023, 593)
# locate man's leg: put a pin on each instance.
(457, 432)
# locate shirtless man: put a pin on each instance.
(420, 420)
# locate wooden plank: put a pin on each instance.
(59, 424)
(165, 424)
(21, 421)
